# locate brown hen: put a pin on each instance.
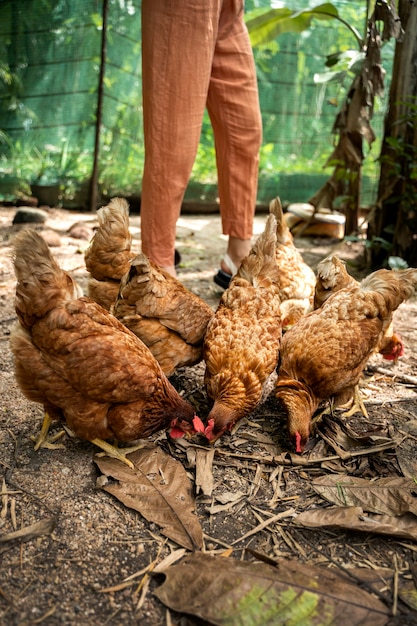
(165, 315)
(324, 354)
(242, 340)
(81, 363)
(297, 279)
(154, 305)
(332, 276)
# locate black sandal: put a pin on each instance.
(222, 279)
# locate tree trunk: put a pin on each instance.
(393, 226)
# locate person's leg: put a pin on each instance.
(233, 105)
(178, 38)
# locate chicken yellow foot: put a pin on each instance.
(115, 452)
(357, 405)
(43, 441)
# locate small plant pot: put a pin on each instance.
(46, 194)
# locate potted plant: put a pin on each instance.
(57, 166)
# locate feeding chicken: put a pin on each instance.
(324, 354)
(332, 276)
(108, 256)
(242, 340)
(163, 313)
(157, 307)
(82, 364)
(297, 279)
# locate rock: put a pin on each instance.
(28, 215)
(52, 238)
(79, 230)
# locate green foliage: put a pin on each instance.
(267, 24)
(53, 91)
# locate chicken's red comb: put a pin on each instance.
(198, 424)
(298, 445)
(208, 431)
(176, 433)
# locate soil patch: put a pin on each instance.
(73, 572)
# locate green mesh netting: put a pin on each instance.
(50, 59)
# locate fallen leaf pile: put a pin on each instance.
(277, 590)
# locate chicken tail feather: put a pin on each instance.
(41, 283)
(282, 231)
(109, 252)
(395, 286)
(261, 259)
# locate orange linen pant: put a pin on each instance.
(197, 53)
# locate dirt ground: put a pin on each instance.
(80, 569)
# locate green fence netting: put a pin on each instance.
(70, 88)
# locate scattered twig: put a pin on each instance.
(218, 541)
(45, 616)
(144, 586)
(27, 533)
(294, 460)
(13, 513)
(125, 584)
(395, 586)
(20, 489)
(409, 546)
(6, 597)
(232, 463)
(397, 376)
(109, 619)
(264, 524)
(4, 500)
(256, 483)
(153, 566)
(291, 542)
(407, 435)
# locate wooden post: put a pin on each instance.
(99, 110)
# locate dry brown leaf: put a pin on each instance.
(408, 594)
(230, 496)
(204, 471)
(159, 489)
(391, 496)
(406, 450)
(228, 500)
(354, 518)
(169, 560)
(257, 594)
(340, 434)
(27, 533)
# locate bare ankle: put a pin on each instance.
(237, 249)
(170, 269)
